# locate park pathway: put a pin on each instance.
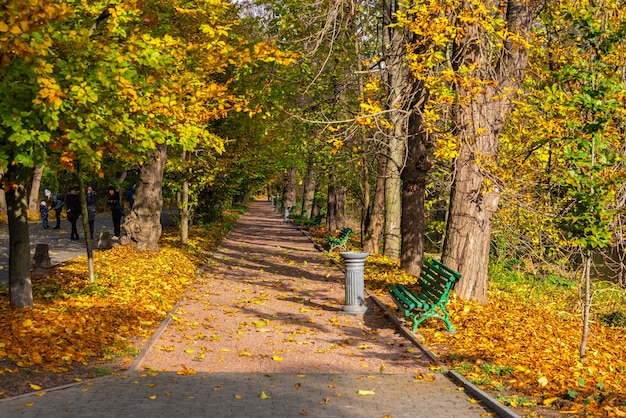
(252, 263)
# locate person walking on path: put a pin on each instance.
(91, 198)
(116, 211)
(73, 211)
(56, 204)
(43, 211)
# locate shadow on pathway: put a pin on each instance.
(265, 291)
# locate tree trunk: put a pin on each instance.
(289, 192)
(143, 223)
(20, 285)
(374, 220)
(336, 211)
(394, 41)
(33, 197)
(184, 204)
(309, 190)
(586, 285)
(413, 197)
(479, 118)
(291, 185)
(85, 216)
(3, 201)
(184, 213)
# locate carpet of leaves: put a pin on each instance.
(523, 351)
(78, 330)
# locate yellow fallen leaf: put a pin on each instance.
(543, 381)
(189, 351)
(304, 413)
(264, 396)
(34, 387)
(277, 358)
(41, 394)
(29, 404)
(549, 401)
(365, 392)
(472, 400)
(153, 397)
(238, 396)
(305, 310)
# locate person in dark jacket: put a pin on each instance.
(116, 210)
(72, 203)
(56, 204)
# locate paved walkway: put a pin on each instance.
(61, 248)
(227, 394)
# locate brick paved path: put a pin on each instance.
(228, 394)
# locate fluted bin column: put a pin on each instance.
(355, 288)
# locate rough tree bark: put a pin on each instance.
(414, 197)
(20, 284)
(184, 203)
(394, 42)
(308, 194)
(35, 185)
(374, 220)
(143, 222)
(289, 194)
(336, 211)
(479, 120)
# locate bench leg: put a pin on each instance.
(432, 313)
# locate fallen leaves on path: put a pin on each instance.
(75, 322)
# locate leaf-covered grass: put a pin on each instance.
(75, 321)
(523, 346)
(525, 349)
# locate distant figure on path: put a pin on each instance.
(56, 204)
(116, 211)
(73, 211)
(130, 195)
(43, 211)
(91, 198)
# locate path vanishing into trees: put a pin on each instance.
(262, 333)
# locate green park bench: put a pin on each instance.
(314, 222)
(301, 220)
(436, 282)
(340, 240)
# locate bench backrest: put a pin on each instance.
(345, 232)
(437, 280)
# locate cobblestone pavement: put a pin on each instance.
(205, 394)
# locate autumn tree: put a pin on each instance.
(479, 51)
(573, 167)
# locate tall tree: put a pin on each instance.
(491, 52)
(399, 90)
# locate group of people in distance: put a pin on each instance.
(73, 210)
